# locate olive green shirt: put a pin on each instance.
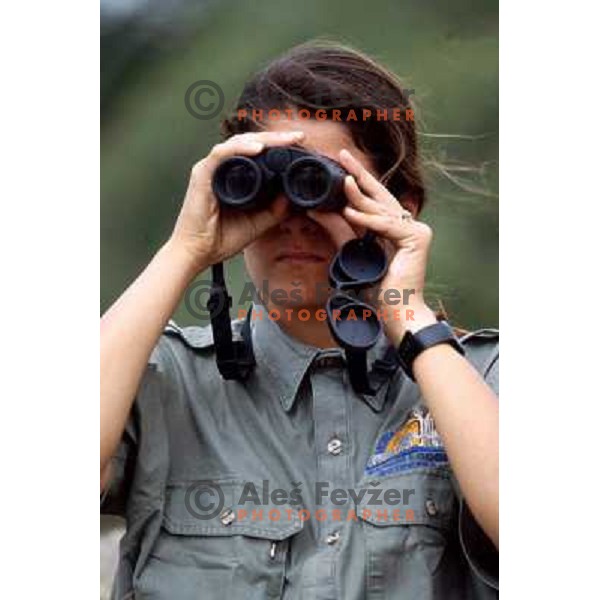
(290, 485)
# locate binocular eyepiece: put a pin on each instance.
(310, 181)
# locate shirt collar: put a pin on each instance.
(287, 360)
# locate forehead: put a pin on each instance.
(323, 137)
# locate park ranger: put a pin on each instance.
(291, 484)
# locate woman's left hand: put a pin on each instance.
(371, 206)
(442, 374)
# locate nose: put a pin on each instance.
(299, 225)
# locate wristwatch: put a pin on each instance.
(413, 344)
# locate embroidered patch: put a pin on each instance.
(416, 444)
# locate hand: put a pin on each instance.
(205, 232)
(371, 206)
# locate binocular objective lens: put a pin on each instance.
(240, 181)
(309, 182)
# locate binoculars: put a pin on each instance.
(310, 181)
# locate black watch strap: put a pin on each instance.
(413, 344)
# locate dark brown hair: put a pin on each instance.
(327, 75)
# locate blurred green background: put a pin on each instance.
(151, 52)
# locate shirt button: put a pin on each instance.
(430, 507)
(334, 446)
(333, 538)
(227, 517)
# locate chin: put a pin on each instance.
(297, 290)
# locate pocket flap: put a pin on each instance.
(422, 497)
(213, 508)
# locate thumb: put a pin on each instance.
(336, 226)
(271, 216)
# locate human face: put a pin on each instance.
(294, 256)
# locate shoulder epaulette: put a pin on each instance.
(480, 334)
(481, 348)
(196, 337)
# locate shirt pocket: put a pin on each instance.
(407, 532)
(211, 545)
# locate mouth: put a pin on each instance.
(297, 256)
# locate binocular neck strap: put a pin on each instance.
(382, 369)
(356, 361)
(235, 359)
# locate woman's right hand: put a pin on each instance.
(205, 233)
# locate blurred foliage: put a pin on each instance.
(447, 52)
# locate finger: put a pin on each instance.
(274, 214)
(250, 144)
(358, 200)
(273, 137)
(267, 138)
(367, 182)
(339, 230)
(263, 220)
(389, 226)
(398, 230)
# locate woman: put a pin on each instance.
(290, 484)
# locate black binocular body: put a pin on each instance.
(310, 181)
